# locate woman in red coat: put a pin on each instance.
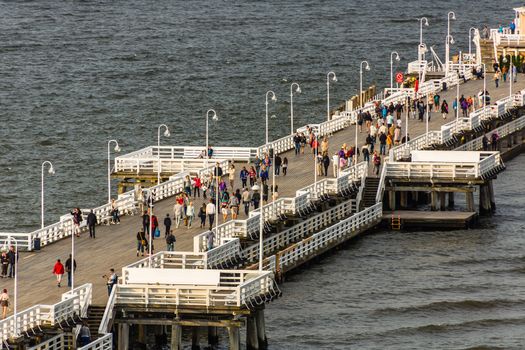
(58, 271)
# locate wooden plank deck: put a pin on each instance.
(430, 219)
(115, 245)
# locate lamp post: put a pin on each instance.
(214, 117)
(420, 47)
(8, 243)
(261, 216)
(450, 15)
(392, 68)
(334, 79)
(367, 67)
(426, 124)
(150, 234)
(298, 90)
(117, 149)
(484, 84)
(167, 134)
(470, 42)
(50, 171)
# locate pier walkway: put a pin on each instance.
(115, 245)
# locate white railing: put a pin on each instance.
(23, 240)
(502, 131)
(235, 289)
(403, 150)
(58, 342)
(82, 297)
(172, 260)
(382, 181)
(347, 228)
(103, 343)
(49, 315)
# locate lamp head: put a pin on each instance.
(453, 15)
(273, 116)
(274, 98)
(215, 117)
(504, 59)
(367, 67)
(425, 21)
(51, 170)
(117, 148)
(397, 57)
(167, 133)
(451, 39)
(298, 89)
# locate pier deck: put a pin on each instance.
(430, 219)
(115, 245)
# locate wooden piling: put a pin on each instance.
(392, 200)
(234, 337)
(484, 200)
(252, 341)
(403, 199)
(490, 188)
(176, 337)
(470, 201)
(213, 336)
(261, 328)
(123, 336)
(451, 199)
(195, 338)
(442, 201)
(434, 201)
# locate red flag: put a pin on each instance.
(416, 85)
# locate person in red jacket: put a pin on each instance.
(58, 271)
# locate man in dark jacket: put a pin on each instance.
(145, 222)
(278, 162)
(12, 258)
(67, 265)
(91, 222)
(167, 224)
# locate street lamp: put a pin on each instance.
(298, 90)
(117, 149)
(392, 68)
(6, 244)
(420, 47)
(214, 117)
(367, 67)
(450, 15)
(510, 73)
(470, 42)
(166, 134)
(150, 234)
(50, 171)
(261, 217)
(334, 79)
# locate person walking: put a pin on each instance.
(244, 176)
(4, 302)
(326, 163)
(84, 335)
(177, 213)
(141, 242)
(278, 163)
(196, 183)
(377, 162)
(496, 78)
(210, 212)
(444, 109)
(231, 174)
(67, 266)
(58, 271)
(4, 260)
(145, 222)
(210, 237)
(285, 166)
(234, 206)
(256, 197)
(246, 200)
(202, 215)
(170, 241)
(190, 213)
(91, 221)
(12, 258)
(167, 225)
(77, 219)
(114, 212)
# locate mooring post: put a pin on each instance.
(261, 328)
(176, 337)
(252, 341)
(235, 338)
(123, 336)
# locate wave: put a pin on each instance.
(467, 305)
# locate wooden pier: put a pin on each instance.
(435, 220)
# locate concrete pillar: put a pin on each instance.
(403, 199)
(433, 201)
(392, 200)
(213, 336)
(123, 336)
(252, 341)
(195, 338)
(451, 199)
(235, 338)
(176, 337)
(261, 328)
(442, 201)
(470, 201)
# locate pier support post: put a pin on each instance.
(252, 341)
(213, 336)
(141, 337)
(433, 201)
(261, 328)
(235, 338)
(470, 201)
(392, 200)
(195, 338)
(484, 199)
(176, 337)
(490, 188)
(451, 199)
(123, 336)
(442, 201)
(403, 199)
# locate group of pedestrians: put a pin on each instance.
(9, 259)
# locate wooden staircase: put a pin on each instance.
(369, 192)
(95, 314)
